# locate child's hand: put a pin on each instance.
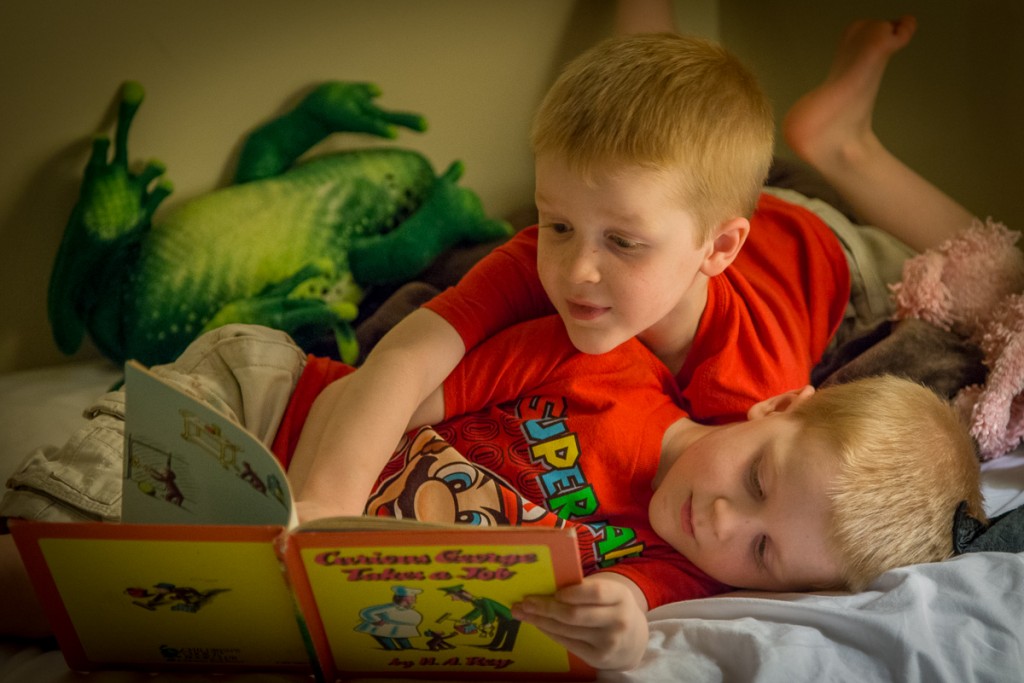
(600, 620)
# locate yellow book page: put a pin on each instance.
(169, 602)
(424, 610)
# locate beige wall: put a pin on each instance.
(475, 68)
(951, 104)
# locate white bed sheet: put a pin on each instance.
(957, 621)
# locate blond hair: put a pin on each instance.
(905, 462)
(680, 104)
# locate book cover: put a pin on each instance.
(433, 602)
(161, 596)
(208, 570)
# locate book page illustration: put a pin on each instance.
(187, 464)
(165, 595)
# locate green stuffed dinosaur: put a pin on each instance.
(288, 246)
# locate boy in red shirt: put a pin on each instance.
(650, 153)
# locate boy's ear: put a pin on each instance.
(725, 245)
(780, 403)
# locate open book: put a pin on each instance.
(208, 570)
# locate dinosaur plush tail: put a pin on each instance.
(114, 207)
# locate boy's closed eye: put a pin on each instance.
(760, 551)
(754, 478)
(624, 243)
(756, 488)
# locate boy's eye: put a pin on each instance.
(557, 228)
(754, 478)
(759, 550)
(623, 243)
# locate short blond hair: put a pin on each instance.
(675, 103)
(905, 462)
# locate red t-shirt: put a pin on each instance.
(559, 438)
(768, 319)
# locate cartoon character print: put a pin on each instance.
(429, 480)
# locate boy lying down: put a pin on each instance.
(816, 490)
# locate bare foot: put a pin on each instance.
(832, 123)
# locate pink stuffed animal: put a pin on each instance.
(972, 284)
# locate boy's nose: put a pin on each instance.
(582, 264)
(729, 519)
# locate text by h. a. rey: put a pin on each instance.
(489, 662)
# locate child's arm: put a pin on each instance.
(354, 426)
(602, 620)
(483, 377)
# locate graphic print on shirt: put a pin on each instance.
(526, 442)
(428, 480)
(564, 486)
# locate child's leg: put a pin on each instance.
(245, 372)
(830, 128)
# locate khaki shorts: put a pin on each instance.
(875, 259)
(246, 372)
